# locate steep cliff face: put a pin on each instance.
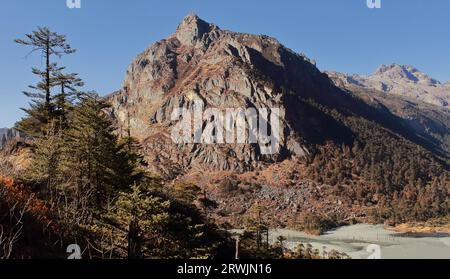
(222, 69)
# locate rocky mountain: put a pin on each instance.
(400, 80)
(344, 149)
(6, 135)
(224, 69)
(221, 69)
(425, 118)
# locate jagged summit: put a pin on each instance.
(193, 28)
(223, 69)
(404, 80)
(404, 72)
(394, 66)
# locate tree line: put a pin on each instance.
(400, 181)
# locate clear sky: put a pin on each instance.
(342, 35)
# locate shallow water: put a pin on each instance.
(359, 242)
(356, 239)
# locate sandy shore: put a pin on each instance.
(442, 227)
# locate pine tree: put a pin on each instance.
(67, 84)
(41, 109)
(104, 163)
(94, 151)
(143, 216)
(257, 227)
(281, 239)
(45, 169)
(131, 163)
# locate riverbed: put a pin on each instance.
(363, 241)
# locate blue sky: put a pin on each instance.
(342, 35)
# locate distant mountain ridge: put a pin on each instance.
(403, 80)
(402, 72)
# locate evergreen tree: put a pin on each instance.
(67, 84)
(94, 151)
(257, 228)
(41, 109)
(281, 239)
(45, 170)
(131, 163)
(144, 216)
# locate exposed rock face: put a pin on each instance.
(6, 135)
(400, 80)
(405, 73)
(193, 29)
(429, 121)
(227, 70)
(223, 70)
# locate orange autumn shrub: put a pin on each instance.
(27, 218)
(17, 194)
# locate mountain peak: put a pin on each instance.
(404, 72)
(193, 28)
(384, 68)
(404, 80)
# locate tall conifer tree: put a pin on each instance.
(41, 111)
